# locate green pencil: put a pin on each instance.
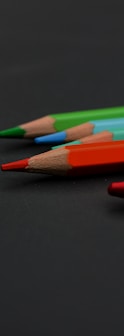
(59, 122)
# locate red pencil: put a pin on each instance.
(75, 160)
(116, 189)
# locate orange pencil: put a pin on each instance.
(75, 160)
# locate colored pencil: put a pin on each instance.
(104, 136)
(116, 189)
(59, 122)
(74, 160)
(83, 130)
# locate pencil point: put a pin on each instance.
(12, 132)
(17, 165)
(51, 138)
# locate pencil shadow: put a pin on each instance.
(24, 144)
(115, 207)
(30, 181)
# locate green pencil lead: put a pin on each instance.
(12, 132)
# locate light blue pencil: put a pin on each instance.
(104, 136)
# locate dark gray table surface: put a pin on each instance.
(61, 241)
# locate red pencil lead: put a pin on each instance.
(17, 165)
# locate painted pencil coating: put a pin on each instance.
(71, 119)
(75, 160)
(59, 122)
(83, 130)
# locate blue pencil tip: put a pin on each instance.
(36, 140)
(56, 138)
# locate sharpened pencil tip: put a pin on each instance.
(17, 165)
(15, 132)
(55, 138)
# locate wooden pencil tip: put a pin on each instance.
(17, 165)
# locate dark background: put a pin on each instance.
(61, 241)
